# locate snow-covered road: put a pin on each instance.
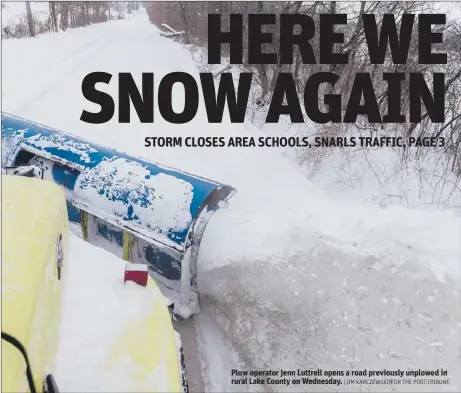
(287, 278)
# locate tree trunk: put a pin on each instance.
(54, 20)
(72, 10)
(87, 13)
(64, 15)
(96, 11)
(30, 20)
(182, 8)
(262, 72)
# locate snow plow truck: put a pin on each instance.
(139, 210)
(34, 262)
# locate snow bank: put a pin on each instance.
(374, 176)
(314, 300)
(97, 309)
(291, 279)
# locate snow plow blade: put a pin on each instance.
(139, 210)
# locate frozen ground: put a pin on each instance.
(288, 278)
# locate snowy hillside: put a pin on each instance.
(377, 176)
(288, 278)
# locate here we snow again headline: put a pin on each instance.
(285, 100)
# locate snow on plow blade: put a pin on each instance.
(139, 210)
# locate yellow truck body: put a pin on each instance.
(34, 217)
(150, 345)
(34, 220)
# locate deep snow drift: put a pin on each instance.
(291, 279)
(98, 309)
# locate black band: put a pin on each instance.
(20, 347)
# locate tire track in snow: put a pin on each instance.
(186, 328)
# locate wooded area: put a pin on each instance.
(65, 14)
(187, 23)
(191, 18)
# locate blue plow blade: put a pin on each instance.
(139, 210)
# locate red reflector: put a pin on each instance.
(137, 273)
